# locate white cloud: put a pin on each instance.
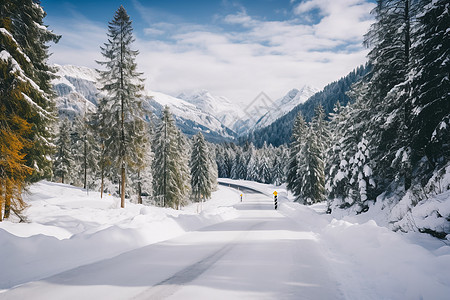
(259, 55)
(153, 31)
(342, 19)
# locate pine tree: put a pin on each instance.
(238, 170)
(85, 149)
(100, 127)
(253, 172)
(386, 92)
(320, 126)
(265, 164)
(64, 161)
(142, 179)
(184, 183)
(214, 174)
(298, 138)
(220, 161)
(200, 169)
(311, 170)
(168, 178)
(430, 87)
(122, 114)
(278, 165)
(13, 170)
(26, 76)
(228, 161)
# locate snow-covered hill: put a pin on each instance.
(77, 91)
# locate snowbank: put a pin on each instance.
(70, 227)
(372, 262)
(368, 260)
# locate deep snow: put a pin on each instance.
(70, 227)
(350, 257)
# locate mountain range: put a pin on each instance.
(215, 116)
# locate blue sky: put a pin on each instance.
(233, 48)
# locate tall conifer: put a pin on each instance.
(122, 114)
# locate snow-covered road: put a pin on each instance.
(262, 254)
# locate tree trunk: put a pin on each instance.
(122, 191)
(102, 184)
(8, 199)
(139, 189)
(2, 199)
(122, 115)
(85, 162)
(102, 161)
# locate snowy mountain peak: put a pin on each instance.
(204, 100)
(285, 104)
(218, 106)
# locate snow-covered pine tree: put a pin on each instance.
(385, 93)
(214, 174)
(85, 149)
(105, 164)
(228, 161)
(249, 151)
(311, 170)
(253, 166)
(278, 165)
(184, 150)
(349, 160)
(200, 169)
(239, 166)
(122, 84)
(360, 174)
(139, 172)
(168, 177)
(265, 164)
(430, 87)
(220, 160)
(320, 127)
(144, 182)
(391, 41)
(64, 162)
(298, 138)
(334, 155)
(23, 59)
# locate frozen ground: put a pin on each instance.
(78, 246)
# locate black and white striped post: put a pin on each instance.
(275, 199)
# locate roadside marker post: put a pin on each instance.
(275, 199)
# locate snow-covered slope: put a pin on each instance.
(189, 118)
(68, 227)
(105, 250)
(285, 104)
(77, 91)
